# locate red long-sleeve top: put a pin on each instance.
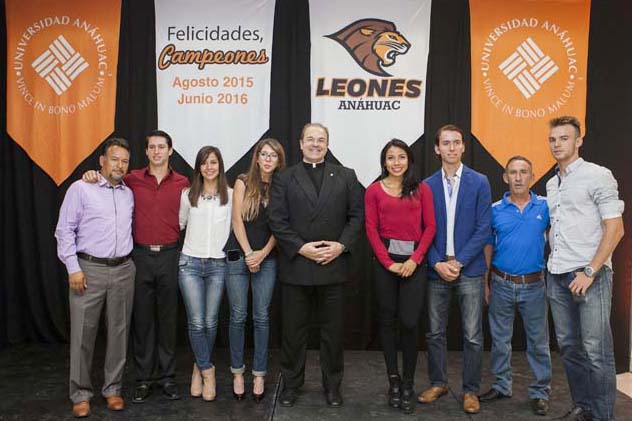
(395, 218)
(156, 206)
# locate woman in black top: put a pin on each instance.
(252, 263)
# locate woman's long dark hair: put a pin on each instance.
(256, 192)
(410, 181)
(197, 181)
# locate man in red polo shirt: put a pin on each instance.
(156, 230)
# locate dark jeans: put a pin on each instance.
(400, 298)
(299, 303)
(154, 318)
(469, 292)
(238, 281)
(530, 301)
(582, 326)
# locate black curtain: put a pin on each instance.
(33, 284)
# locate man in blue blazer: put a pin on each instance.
(456, 262)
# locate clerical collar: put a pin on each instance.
(314, 165)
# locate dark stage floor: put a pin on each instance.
(34, 386)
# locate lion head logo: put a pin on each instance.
(373, 43)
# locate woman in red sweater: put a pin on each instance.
(400, 225)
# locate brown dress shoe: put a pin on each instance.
(81, 409)
(471, 404)
(432, 394)
(115, 403)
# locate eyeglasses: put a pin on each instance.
(271, 156)
(316, 140)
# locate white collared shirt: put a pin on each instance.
(450, 208)
(578, 203)
(208, 226)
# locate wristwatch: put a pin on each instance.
(589, 271)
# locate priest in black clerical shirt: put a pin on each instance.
(315, 213)
(315, 172)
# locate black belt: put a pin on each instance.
(156, 248)
(529, 278)
(108, 261)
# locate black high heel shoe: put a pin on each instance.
(238, 396)
(394, 391)
(257, 397)
(408, 399)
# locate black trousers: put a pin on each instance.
(154, 318)
(325, 302)
(400, 299)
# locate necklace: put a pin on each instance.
(212, 196)
(391, 188)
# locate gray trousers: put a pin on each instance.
(114, 288)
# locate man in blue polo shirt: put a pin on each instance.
(516, 254)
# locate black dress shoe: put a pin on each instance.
(170, 390)
(408, 400)
(287, 397)
(577, 414)
(394, 391)
(141, 393)
(333, 397)
(492, 395)
(540, 406)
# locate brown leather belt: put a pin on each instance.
(529, 278)
(450, 258)
(113, 261)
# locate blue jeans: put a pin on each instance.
(237, 284)
(530, 301)
(202, 286)
(470, 294)
(582, 326)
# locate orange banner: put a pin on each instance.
(62, 57)
(529, 61)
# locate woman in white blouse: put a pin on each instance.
(205, 211)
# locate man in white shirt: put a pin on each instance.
(586, 226)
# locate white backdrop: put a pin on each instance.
(358, 135)
(214, 103)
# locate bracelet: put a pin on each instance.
(249, 253)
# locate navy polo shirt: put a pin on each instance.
(518, 237)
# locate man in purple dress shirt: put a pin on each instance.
(94, 241)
